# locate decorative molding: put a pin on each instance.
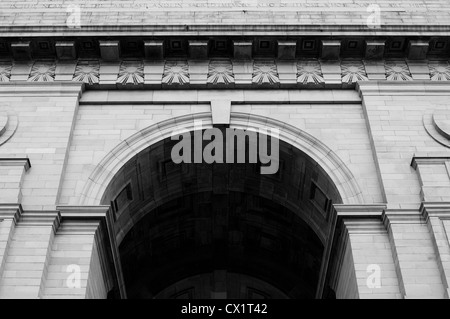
(409, 88)
(41, 218)
(338, 171)
(365, 226)
(353, 71)
(435, 209)
(309, 72)
(176, 73)
(359, 211)
(45, 89)
(11, 211)
(397, 71)
(220, 72)
(401, 216)
(87, 72)
(439, 71)
(5, 71)
(131, 72)
(436, 126)
(42, 72)
(265, 73)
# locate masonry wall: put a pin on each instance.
(376, 133)
(100, 127)
(168, 12)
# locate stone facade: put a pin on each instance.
(372, 133)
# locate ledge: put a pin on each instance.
(83, 212)
(360, 211)
(414, 87)
(48, 89)
(11, 211)
(236, 96)
(41, 218)
(25, 162)
(435, 209)
(402, 216)
(430, 160)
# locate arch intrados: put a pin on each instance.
(110, 165)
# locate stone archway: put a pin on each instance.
(158, 222)
(339, 173)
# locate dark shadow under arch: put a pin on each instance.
(175, 222)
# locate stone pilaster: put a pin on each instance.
(363, 265)
(415, 259)
(437, 216)
(434, 176)
(26, 265)
(12, 171)
(82, 254)
(9, 215)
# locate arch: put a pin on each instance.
(105, 171)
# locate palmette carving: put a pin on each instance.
(176, 73)
(309, 72)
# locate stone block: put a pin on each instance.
(287, 50)
(418, 50)
(65, 50)
(110, 50)
(154, 50)
(331, 49)
(243, 50)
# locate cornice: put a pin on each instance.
(401, 216)
(432, 159)
(153, 30)
(41, 218)
(49, 89)
(83, 212)
(373, 211)
(435, 209)
(11, 211)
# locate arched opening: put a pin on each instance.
(221, 230)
